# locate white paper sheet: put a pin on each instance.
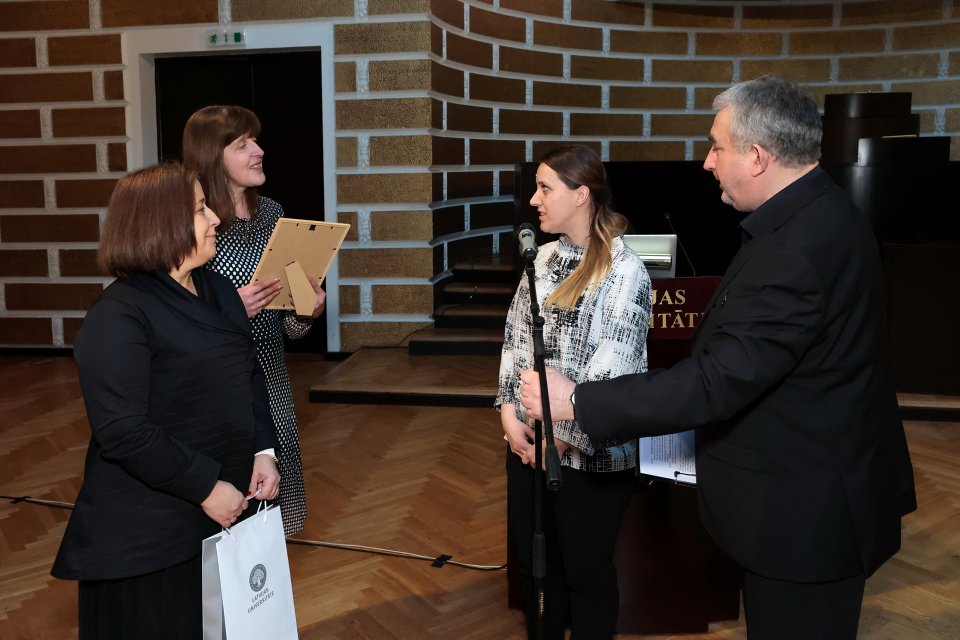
(671, 456)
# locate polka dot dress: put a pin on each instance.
(238, 250)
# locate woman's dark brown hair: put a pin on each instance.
(208, 131)
(150, 221)
(580, 166)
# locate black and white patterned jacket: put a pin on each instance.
(604, 336)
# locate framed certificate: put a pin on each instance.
(295, 246)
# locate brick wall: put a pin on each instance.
(436, 101)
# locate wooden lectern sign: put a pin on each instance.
(678, 304)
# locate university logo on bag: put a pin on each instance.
(258, 580)
(258, 577)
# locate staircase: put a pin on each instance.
(472, 312)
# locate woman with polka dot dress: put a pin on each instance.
(220, 143)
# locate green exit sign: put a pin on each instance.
(216, 38)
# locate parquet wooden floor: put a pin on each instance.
(422, 479)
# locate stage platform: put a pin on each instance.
(916, 406)
(393, 376)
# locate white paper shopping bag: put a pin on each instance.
(246, 569)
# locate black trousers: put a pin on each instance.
(581, 523)
(157, 606)
(781, 610)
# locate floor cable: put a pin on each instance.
(436, 561)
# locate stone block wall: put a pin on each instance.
(435, 101)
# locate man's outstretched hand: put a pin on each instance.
(560, 388)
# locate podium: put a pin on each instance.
(673, 578)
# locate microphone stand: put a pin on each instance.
(542, 430)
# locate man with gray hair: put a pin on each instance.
(803, 472)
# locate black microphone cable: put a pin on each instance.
(666, 216)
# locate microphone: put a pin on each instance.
(527, 238)
(666, 216)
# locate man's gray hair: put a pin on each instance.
(776, 114)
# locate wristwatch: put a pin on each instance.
(573, 398)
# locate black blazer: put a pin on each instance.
(175, 400)
(803, 471)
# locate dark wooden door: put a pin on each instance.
(283, 89)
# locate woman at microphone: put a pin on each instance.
(594, 295)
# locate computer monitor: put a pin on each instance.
(658, 251)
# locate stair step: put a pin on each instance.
(456, 342)
(470, 316)
(497, 268)
(479, 292)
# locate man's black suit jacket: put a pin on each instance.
(176, 401)
(803, 471)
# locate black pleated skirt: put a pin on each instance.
(162, 605)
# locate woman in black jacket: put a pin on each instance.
(178, 412)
